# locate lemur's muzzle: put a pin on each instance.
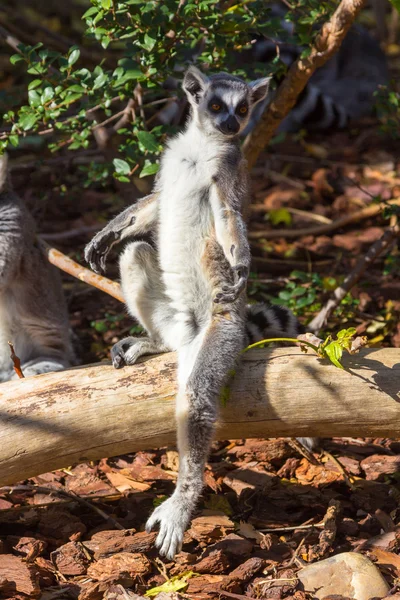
(230, 126)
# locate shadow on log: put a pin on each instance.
(54, 420)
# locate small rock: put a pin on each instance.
(348, 574)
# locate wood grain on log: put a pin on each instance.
(53, 420)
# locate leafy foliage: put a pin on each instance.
(303, 294)
(147, 43)
(329, 348)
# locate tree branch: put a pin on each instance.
(56, 419)
(326, 44)
(359, 215)
(378, 248)
(63, 262)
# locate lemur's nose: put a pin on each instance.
(230, 125)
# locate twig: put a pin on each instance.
(378, 248)
(260, 208)
(16, 362)
(340, 467)
(326, 44)
(291, 528)
(48, 490)
(10, 40)
(15, 44)
(68, 265)
(297, 551)
(364, 213)
(303, 450)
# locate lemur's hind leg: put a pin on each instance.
(143, 290)
(204, 366)
(129, 349)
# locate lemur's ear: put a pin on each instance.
(259, 89)
(194, 82)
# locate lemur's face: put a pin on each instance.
(223, 103)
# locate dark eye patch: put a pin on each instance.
(216, 101)
(242, 109)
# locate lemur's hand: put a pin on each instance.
(97, 250)
(232, 292)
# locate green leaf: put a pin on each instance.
(34, 84)
(149, 169)
(33, 98)
(280, 215)
(334, 352)
(100, 80)
(175, 584)
(92, 11)
(73, 57)
(47, 95)
(27, 121)
(147, 141)
(13, 139)
(285, 295)
(106, 4)
(16, 58)
(121, 166)
(149, 43)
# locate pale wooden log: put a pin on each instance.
(53, 420)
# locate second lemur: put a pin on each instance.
(33, 311)
(188, 290)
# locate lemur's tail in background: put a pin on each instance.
(266, 321)
(4, 178)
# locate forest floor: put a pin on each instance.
(266, 510)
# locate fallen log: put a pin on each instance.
(57, 419)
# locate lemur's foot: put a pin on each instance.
(97, 250)
(128, 350)
(232, 292)
(40, 366)
(173, 521)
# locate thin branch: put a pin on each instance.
(16, 362)
(326, 44)
(10, 39)
(364, 213)
(378, 248)
(261, 208)
(63, 262)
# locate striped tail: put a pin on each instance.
(269, 320)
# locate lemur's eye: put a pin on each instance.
(216, 107)
(243, 109)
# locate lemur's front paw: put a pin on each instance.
(173, 522)
(97, 250)
(231, 293)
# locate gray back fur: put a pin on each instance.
(33, 311)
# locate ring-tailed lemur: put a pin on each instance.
(33, 312)
(338, 92)
(188, 290)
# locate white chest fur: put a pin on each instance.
(186, 218)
